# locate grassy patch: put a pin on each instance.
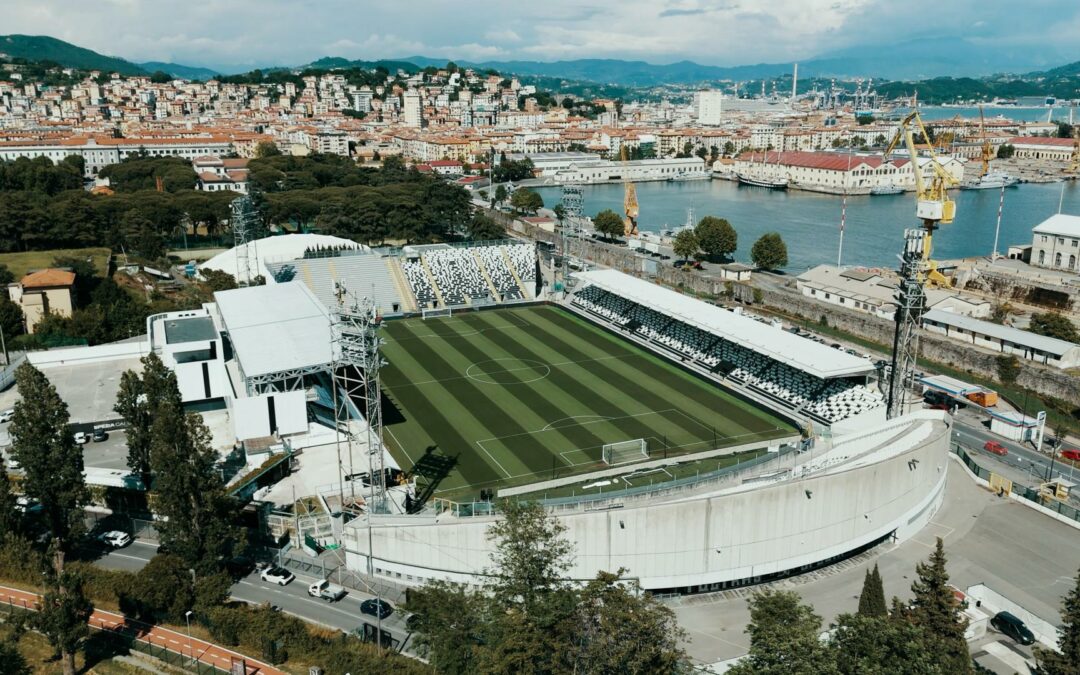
(21, 263)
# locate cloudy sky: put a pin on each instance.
(220, 33)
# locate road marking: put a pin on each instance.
(129, 557)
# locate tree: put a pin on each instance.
(769, 252)
(12, 658)
(482, 228)
(1006, 151)
(1055, 325)
(266, 149)
(500, 193)
(51, 461)
(716, 237)
(878, 644)
(449, 625)
(685, 244)
(189, 494)
(1066, 660)
(1008, 368)
(783, 637)
(872, 598)
(608, 628)
(63, 615)
(936, 610)
(138, 401)
(608, 224)
(526, 200)
(11, 317)
(10, 522)
(6, 277)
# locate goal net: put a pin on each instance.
(435, 313)
(625, 452)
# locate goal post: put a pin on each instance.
(438, 312)
(624, 452)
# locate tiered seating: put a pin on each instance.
(418, 281)
(457, 274)
(501, 277)
(523, 258)
(828, 400)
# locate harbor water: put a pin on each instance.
(810, 222)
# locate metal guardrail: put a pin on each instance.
(1028, 493)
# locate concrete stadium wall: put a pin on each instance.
(688, 543)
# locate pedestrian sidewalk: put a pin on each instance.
(199, 651)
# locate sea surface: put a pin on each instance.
(810, 223)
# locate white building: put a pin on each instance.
(99, 152)
(709, 106)
(835, 172)
(1055, 243)
(600, 170)
(874, 292)
(1003, 339)
(412, 109)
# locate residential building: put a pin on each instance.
(47, 291)
(1055, 243)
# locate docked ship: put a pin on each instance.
(779, 183)
(993, 180)
(889, 189)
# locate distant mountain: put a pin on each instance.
(179, 70)
(392, 65)
(45, 48)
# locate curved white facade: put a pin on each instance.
(888, 480)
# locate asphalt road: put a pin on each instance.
(344, 615)
(1022, 458)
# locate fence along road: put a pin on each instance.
(199, 651)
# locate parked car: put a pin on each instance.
(100, 435)
(326, 590)
(81, 438)
(115, 539)
(995, 447)
(1011, 625)
(277, 575)
(1074, 455)
(376, 607)
(6, 415)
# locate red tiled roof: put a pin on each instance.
(48, 278)
(1042, 140)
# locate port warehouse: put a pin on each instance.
(262, 356)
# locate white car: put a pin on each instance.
(81, 438)
(116, 539)
(277, 575)
(6, 415)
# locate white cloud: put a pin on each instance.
(727, 32)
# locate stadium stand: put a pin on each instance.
(457, 274)
(523, 259)
(493, 260)
(828, 400)
(418, 280)
(363, 273)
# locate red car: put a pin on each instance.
(995, 447)
(1074, 455)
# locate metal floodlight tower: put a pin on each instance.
(573, 202)
(247, 227)
(356, 362)
(910, 307)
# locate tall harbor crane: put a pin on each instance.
(630, 203)
(934, 208)
(987, 149)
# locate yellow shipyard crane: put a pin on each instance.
(987, 149)
(933, 205)
(630, 203)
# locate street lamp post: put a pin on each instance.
(191, 649)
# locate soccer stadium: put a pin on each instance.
(408, 392)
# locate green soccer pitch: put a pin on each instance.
(514, 396)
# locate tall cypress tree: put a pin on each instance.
(137, 402)
(52, 465)
(188, 491)
(872, 598)
(937, 611)
(1065, 661)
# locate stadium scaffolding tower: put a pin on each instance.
(356, 363)
(910, 307)
(247, 228)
